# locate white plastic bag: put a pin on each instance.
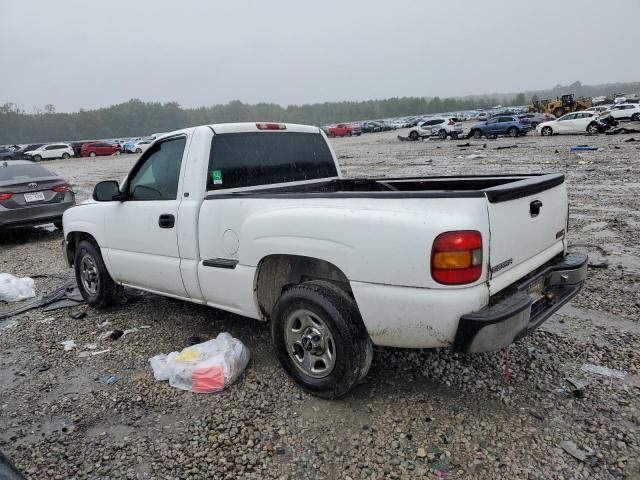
(13, 289)
(207, 367)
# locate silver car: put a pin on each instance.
(32, 195)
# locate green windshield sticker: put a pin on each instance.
(216, 176)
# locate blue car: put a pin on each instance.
(500, 125)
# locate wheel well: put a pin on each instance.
(73, 240)
(277, 273)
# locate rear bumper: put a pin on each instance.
(514, 314)
(35, 215)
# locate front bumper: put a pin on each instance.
(516, 312)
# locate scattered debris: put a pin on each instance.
(537, 415)
(464, 145)
(116, 334)
(582, 148)
(573, 450)
(110, 379)
(68, 345)
(65, 291)
(474, 156)
(78, 314)
(604, 371)
(503, 147)
(43, 367)
(578, 386)
(599, 265)
(421, 453)
(630, 139)
(194, 340)
(14, 289)
(128, 331)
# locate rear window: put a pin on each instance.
(263, 158)
(22, 171)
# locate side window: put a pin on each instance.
(493, 120)
(506, 119)
(157, 176)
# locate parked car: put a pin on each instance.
(142, 146)
(370, 127)
(576, 122)
(32, 195)
(597, 109)
(271, 230)
(49, 152)
(8, 154)
(437, 127)
(533, 119)
(625, 110)
(129, 146)
(355, 129)
(340, 130)
(500, 125)
(98, 148)
(77, 147)
(20, 153)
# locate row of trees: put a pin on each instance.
(136, 117)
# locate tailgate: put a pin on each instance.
(527, 219)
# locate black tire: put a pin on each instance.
(349, 134)
(58, 225)
(413, 135)
(37, 158)
(558, 112)
(534, 125)
(442, 134)
(635, 117)
(358, 134)
(454, 135)
(138, 150)
(334, 324)
(477, 134)
(65, 156)
(592, 128)
(104, 292)
(546, 131)
(92, 154)
(513, 132)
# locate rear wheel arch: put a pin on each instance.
(276, 273)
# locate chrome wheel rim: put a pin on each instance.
(310, 344)
(89, 275)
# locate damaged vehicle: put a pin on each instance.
(577, 122)
(32, 195)
(257, 219)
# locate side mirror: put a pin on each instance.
(106, 191)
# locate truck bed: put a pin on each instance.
(496, 188)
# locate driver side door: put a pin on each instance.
(141, 235)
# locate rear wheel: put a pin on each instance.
(138, 150)
(592, 128)
(320, 339)
(413, 135)
(547, 131)
(442, 134)
(512, 132)
(92, 154)
(94, 282)
(37, 158)
(635, 117)
(65, 155)
(477, 134)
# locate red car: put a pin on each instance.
(340, 130)
(98, 148)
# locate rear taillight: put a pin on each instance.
(456, 257)
(451, 122)
(62, 188)
(271, 126)
(5, 196)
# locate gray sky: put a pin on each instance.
(87, 54)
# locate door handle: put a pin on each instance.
(166, 220)
(534, 207)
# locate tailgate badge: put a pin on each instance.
(502, 265)
(32, 185)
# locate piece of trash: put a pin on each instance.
(44, 367)
(93, 354)
(630, 140)
(194, 340)
(104, 324)
(599, 265)
(604, 371)
(535, 414)
(68, 345)
(90, 346)
(14, 289)
(144, 326)
(110, 379)
(464, 145)
(116, 334)
(474, 156)
(207, 367)
(582, 148)
(503, 147)
(578, 386)
(128, 331)
(78, 314)
(573, 450)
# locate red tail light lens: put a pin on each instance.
(62, 188)
(271, 126)
(456, 257)
(6, 196)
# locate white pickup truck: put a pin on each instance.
(256, 219)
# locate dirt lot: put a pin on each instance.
(422, 414)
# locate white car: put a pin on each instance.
(598, 109)
(437, 127)
(625, 110)
(50, 151)
(256, 219)
(576, 122)
(142, 146)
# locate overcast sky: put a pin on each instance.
(87, 54)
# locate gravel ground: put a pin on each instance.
(419, 413)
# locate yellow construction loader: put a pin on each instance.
(560, 106)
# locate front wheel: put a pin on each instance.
(413, 135)
(477, 134)
(442, 134)
(635, 117)
(94, 282)
(65, 156)
(37, 158)
(92, 154)
(592, 128)
(546, 131)
(320, 339)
